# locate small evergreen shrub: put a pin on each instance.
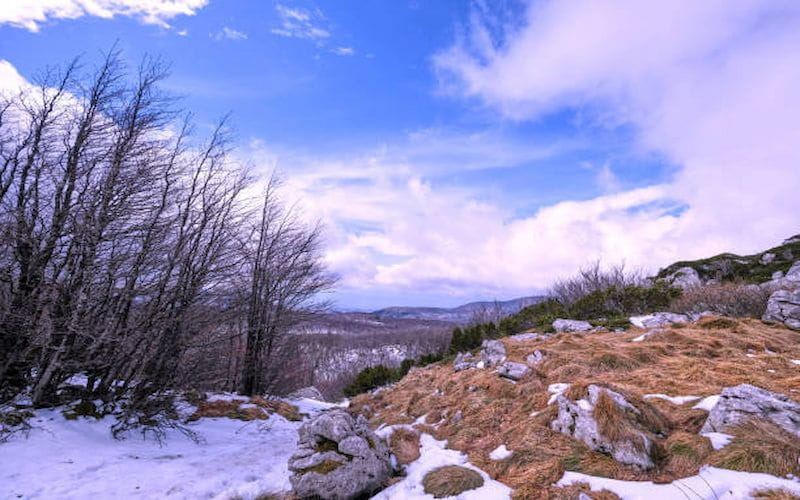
(376, 376)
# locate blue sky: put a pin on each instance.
(464, 150)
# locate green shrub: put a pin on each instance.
(376, 376)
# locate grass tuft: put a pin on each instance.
(451, 480)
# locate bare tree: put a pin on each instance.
(286, 274)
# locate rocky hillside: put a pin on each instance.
(757, 268)
(677, 404)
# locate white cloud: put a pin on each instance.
(343, 51)
(712, 86)
(227, 33)
(296, 22)
(30, 14)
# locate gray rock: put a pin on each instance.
(457, 417)
(522, 337)
(350, 460)
(309, 392)
(493, 352)
(576, 419)
(742, 402)
(767, 258)
(571, 325)
(535, 357)
(790, 280)
(777, 275)
(658, 319)
(464, 361)
(683, 278)
(512, 370)
(694, 316)
(783, 306)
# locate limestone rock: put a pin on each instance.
(743, 402)
(535, 357)
(632, 444)
(767, 258)
(338, 457)
(493, 352)
(464, 361)
(658, 319)
(784, 307)
(683, 278)
(571, 325)
(512, 370)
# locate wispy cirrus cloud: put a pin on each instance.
(297, 22)
(31, 14)
(227, 33)
(343, 51)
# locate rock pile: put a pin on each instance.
(338, 457)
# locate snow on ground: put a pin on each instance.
(433, 454)
(707, 403)
(500, 453)
(710, 484)
(795, 361)
(718, 440)
(79, 459)
(676, 400)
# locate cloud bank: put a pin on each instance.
(31, 14)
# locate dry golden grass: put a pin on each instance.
(227, 409)
(775, 495)
(760, 446)
(404, 444)
(282, 408)
(699, 359)
(451, 480)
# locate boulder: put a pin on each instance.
(571, 325)
(767, 258)
(683, 278)
(512, 370)
(743, 402)
(788, 280)
(783, 306)
(493, 352)
(658, 319)
(309, 392)
(338, 457)
(618, 428)
(535, 357)
(464, 361)
(523, 337)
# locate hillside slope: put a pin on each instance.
(461, 314)
(476, 411)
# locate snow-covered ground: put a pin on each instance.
(434, 454)
(65, 459)
(710, 484)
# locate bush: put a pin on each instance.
(616, 301)
(468, 338)
(593, 279)
(737, 300)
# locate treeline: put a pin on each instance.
(129, 251)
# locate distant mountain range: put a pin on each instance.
(486, 310)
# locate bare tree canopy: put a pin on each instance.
(128, 252)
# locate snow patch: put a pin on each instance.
(795, 361)
(710, 484)
(707, 403)
(434, 454)
(718, 440)
(676, 400)
(500, 453)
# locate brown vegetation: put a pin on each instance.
(760, 446)
(451, 480)
(699, 359)
(404, 444)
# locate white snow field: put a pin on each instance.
(79, 459)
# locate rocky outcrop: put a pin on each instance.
(658, 319)
(607, 422)
(784, 307)
(571, 325)
(744, 402)
(493, 352)
(338, 457)
(788, 280)
(309, 392)
(683, 278)
(512, 370)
